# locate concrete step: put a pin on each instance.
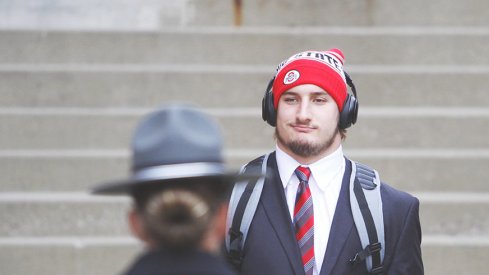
(94, 14)
(377, 128)
(33, 215)
(343, 13)
(410, 170)
(150, 14)
(78, 214)
(31, 171)
(454, 214)
(76, 257)
(367, 46)
(429, 171)
(242, 87)
(455, 258)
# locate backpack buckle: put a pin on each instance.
(374, 247)
(235, 254)
(378, 270)
(367, 251)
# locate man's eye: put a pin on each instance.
(320, 100)
(290, 100)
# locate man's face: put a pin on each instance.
(307, 122)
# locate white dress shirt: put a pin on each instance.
(325, 184)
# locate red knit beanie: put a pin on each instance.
(321, 68)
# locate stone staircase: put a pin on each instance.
(76, 76)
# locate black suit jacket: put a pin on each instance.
(271, 247)
(163, 262)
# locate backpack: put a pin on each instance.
(365, 200)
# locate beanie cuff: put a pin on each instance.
(330, 81)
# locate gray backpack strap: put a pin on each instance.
(242, 206)
(366, 205)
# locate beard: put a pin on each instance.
(304, 148)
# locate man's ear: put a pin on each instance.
(136, 225)
(216, 232)
(221, 216)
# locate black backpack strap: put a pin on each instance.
(242, 206)
(366, 205)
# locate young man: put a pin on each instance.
(303, 223)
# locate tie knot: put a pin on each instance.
(303, 173)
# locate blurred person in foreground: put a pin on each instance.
(179, 186)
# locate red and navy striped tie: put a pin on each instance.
(304, 219)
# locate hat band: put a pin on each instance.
(182, 170)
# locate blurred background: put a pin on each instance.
(76, 76)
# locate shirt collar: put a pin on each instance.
(323, 170)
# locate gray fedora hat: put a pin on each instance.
(176, 143)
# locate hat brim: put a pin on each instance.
(129, 186)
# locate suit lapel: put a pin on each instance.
(341, 227)
(275, 206)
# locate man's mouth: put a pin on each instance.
(301, 128)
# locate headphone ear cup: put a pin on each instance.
(267, 108)
(348, 115)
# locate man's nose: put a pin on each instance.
(303, 113)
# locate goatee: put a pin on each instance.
(306, 149)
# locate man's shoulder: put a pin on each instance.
(390, 192)
(256, 161)
(259, 160)
(397, 205)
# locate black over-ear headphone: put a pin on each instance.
(348, 115)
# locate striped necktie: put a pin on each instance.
(304, 219)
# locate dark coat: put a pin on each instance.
(161, 262)
(271, 247)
